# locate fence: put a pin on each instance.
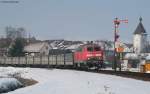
(59, 59)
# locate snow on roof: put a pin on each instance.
(148, 57)
(131, 56)
(36, 47)
(75, 46)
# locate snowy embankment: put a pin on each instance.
(9, 84)
(8, 81)
(11, 71)
(55, 81)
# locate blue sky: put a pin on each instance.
(75, 19)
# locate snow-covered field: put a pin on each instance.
(8, 81)
(55, 81)
(9, 84)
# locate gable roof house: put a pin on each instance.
(128, 48)
(37, 49)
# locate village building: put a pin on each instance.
(140, 42)
(140, 49)
(37, 49)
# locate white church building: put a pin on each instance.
(140, 43)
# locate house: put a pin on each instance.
(3, 51)
(131, 60)
(128, 48)
(37, 49)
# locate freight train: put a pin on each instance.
(85, 56)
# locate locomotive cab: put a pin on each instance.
(89, 55)
(94, 56)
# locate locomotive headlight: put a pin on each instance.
(98, 55)
(89, 55)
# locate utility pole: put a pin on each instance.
(116, 36)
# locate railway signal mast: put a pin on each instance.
(116, 37)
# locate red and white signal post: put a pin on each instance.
(116, 36)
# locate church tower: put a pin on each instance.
(140, 39)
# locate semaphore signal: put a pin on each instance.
(116, 37)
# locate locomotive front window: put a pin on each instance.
(97, 48)
(90, 49)
(79, 49)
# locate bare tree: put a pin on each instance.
(13, 33)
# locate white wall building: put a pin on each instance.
(140, 39)
(37, 49)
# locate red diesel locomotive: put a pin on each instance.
(89, 55)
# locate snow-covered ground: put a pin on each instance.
(11, 71)
(8, 81)
(9, 84)
(55, 81)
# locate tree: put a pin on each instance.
(17, 47)
(13, 33)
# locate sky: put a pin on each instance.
(75, 19)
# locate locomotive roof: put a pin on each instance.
(91, 44)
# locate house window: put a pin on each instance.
(46, 47)
(43, 53)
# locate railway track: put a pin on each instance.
(126, 74)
